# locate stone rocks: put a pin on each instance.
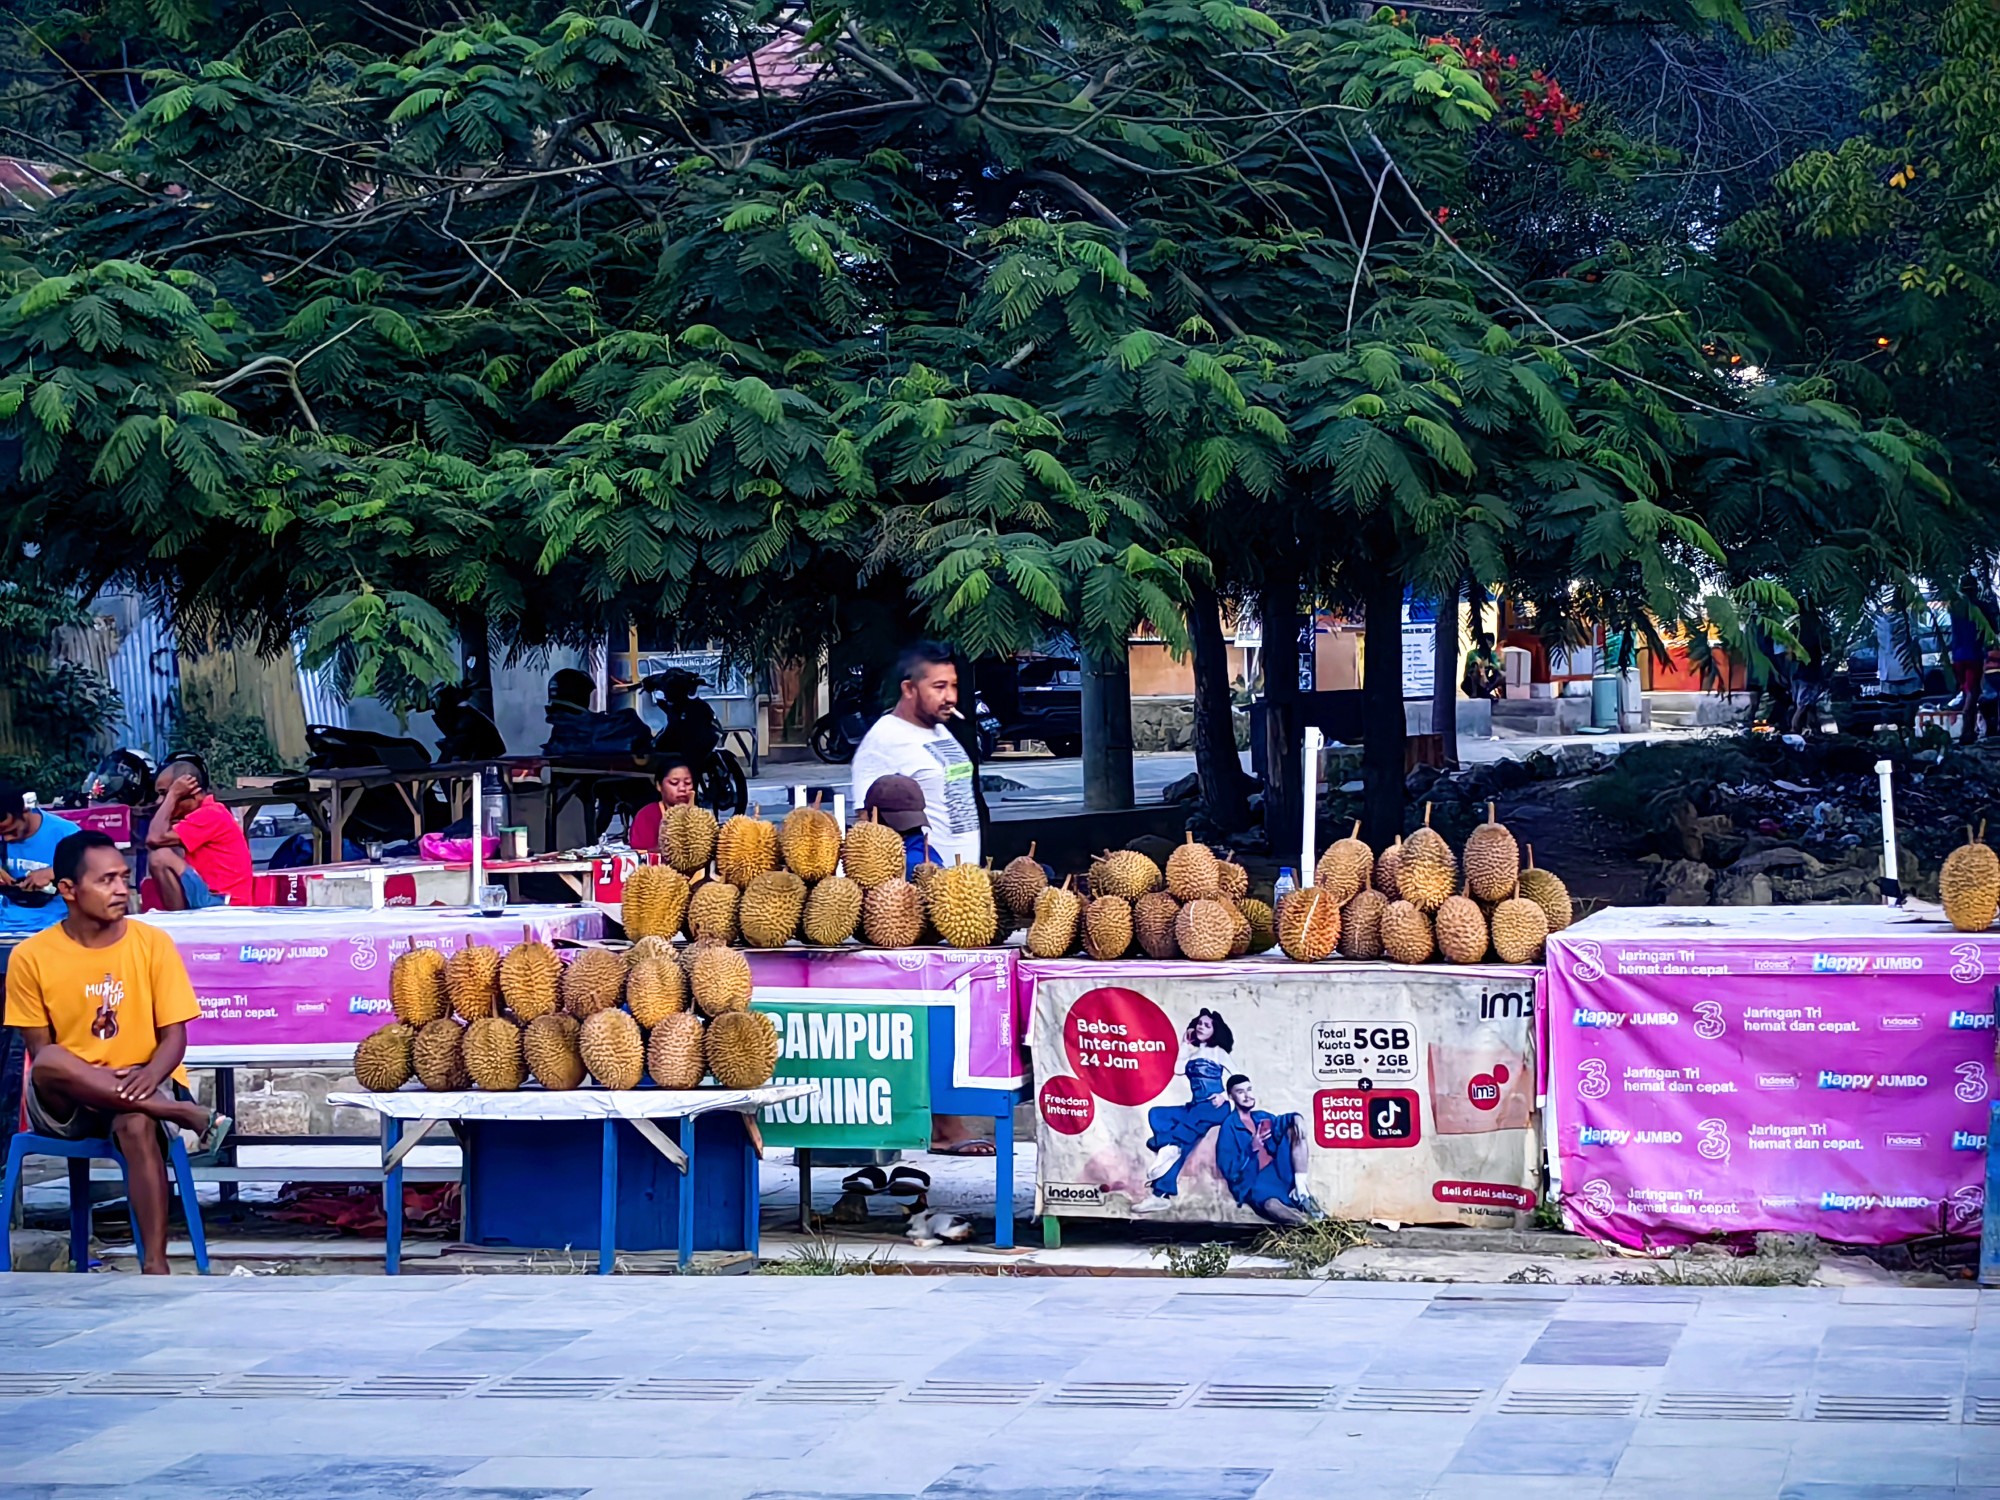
(1683, 882)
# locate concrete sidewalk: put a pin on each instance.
(988, 1388)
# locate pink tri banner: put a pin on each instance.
(1727, 1070)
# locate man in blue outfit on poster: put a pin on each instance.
(1260, 1156)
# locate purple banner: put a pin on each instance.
(277, 982)
(979, 983)
(1821, 1070)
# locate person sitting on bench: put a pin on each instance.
(104, 1003)
(196, 853)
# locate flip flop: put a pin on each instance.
(965, 1148)
(908, 1182)
(868, 1181)
(219, 1126)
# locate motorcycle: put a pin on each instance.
(693, 734)
(125, 776)
(380, 814)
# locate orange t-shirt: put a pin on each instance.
(104, 1004)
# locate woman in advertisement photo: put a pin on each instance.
(1178, 1128)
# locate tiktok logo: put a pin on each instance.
(1709, 1023)
(1967, 967)
(1714, 1140)
(1971, 1083)
(1594, 1083)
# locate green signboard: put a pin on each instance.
(869, 1063)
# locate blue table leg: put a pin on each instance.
(1003, 1180)
(607, 1213)
(686, 1234)
(392, 1199)
(752, 1209)
(1989, 1228)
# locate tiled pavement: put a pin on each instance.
(964, 1388)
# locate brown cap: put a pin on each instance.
(899, 800)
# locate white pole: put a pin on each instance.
(1310, 764)
(799, 795)
(478, 844)
(1892, 889)
(840, 810)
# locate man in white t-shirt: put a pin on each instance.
(913, 740)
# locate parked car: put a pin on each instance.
(1861, 695)
(1036, 697)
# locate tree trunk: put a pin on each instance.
(475, 659)
(1284, 774)
(1224, 788)
(1444, 682)
(1383, 727)
(1107, 732)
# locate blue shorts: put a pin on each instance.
(196, 890)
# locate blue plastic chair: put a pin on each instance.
(80, 1153)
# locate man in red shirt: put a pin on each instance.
(196, 853)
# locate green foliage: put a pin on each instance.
(232, 746)
(1211, 1259)
(56, 711)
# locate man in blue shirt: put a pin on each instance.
(28, 903)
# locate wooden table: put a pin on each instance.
(328, 798)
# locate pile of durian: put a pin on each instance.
(478, 1020)
(1418, 900)
(765, 884)
(1198, 907)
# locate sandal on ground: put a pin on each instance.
(212, 1136)
(965, 1148)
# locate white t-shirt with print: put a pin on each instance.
(938, 764)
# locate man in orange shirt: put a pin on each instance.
(104, 1004)
(195, 851)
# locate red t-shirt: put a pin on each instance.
(645, 834)
(218, 851)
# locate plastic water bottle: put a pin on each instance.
(1285, 884)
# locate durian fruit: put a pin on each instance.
(674, 1055)
(1005, 921)
(892, 914)
(687, 837)
(1548, 892)
(1153, 918)
(960, 904)
(833, 912)
(649, 947)
(1407, 937)
(1022, 884)
(530, 980)
(712, 912)
(1204, 931)
(612, 1049)
(873, 852)
(1462, 935)
(1058, 910)
(492, 1050)
(656, 898)
(1194, 873)
(1309, 925)
(746, 847)
(1235, 879)
(1428, 870)
(1240, 934)
(472, 981)
(1107, 928)
(1127, 873)
(721, 981)
(382, 1060)
(809, 840)
(1521, 929)
(549, 1048)
(1492, 859)
(1263, 924)
(1968, 885)
(1386, 865)
(742, 1047)
(925, 872)
(654, 990)
(771, 908)
(437, 1054)
(1345, 866)
(1361, 924)
(416, 987)
(593, 980)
